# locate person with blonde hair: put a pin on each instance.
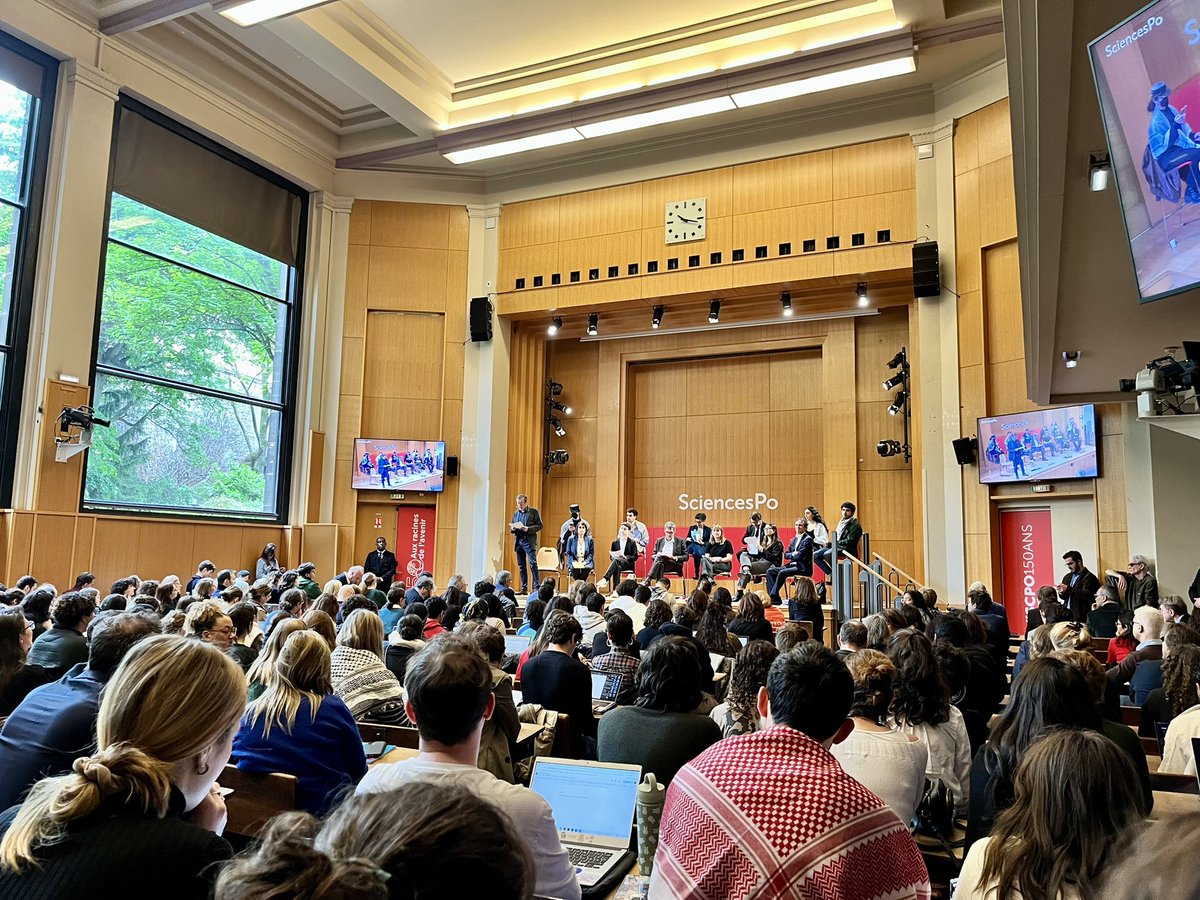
(322, 623)
(260, 671)
(368, 688)
(300, 727)
(140, 818)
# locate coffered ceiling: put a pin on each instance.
(391, 84)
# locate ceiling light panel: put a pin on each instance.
(829, 81)
(517, 145)
(657, 117)
(252, 12)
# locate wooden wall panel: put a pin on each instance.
(526, 420)
(782, 182)
(59, 484)
(878, 167)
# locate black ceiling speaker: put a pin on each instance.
(964, 450)
(927, 278)
(481, 319)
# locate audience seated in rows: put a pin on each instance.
(140, 817)
(1142, 669)
(64, 645)
(739, 713)
(501, 730)
(555, 679)
(661, 731)
(17, 677)
(406, 640)
(782, 786)
(890, 764)
(790, 636)
(449, 697)
(620, 656)
(300, 727)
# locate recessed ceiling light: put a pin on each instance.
(252, 12)
(827, 82)
(517, 145)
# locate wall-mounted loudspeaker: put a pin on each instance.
(481, 319)
(927, 278)
(964, 450)
(451, 466)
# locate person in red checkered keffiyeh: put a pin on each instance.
(771, 814)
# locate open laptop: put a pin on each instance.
(606, 687)
(516, 643)
(593, 806)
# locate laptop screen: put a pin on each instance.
(592, 800)
(516, 644)
(605, 685)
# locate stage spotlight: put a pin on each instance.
(561, 407)
(555, 325)
(714, 312)
(897, 406)
(888, 448)
(900, 359)
(895, 381)
(861, 293)
(1099, 168)
(656, 318)
(556, 424)
(553, 388)
(785, 299)
(556, 458)
(594, 324)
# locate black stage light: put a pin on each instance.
(888, 448)
(897, 406)
(657, 316)
(555, 325)
(785, 299)
(714, 312)
(593, 324)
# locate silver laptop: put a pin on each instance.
(593, 806)
(516, 643)
(606, 687)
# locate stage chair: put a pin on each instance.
(547, 559)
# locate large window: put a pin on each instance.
(195, 345)
(27, 80)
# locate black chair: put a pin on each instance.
(396, 659)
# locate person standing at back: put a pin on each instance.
(381, 562)
(772, 814)
(1078, 587)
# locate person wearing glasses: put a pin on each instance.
(207, 622)
(1138, 585)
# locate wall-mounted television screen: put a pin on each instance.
(1147, 72)
(1040, 445)
(391, 465)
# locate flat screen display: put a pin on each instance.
(1041, 445)
(1147, 72)
(393, 465)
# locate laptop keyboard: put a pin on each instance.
(589, 859)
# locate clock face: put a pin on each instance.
(685, 220)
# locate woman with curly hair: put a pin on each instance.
(1181, 657)
(712, 633)
(739, 713)
(890, 764)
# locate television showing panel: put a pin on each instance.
(1147, 72)
(1040, 445)
(395, 465)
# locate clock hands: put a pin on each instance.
(695, 221)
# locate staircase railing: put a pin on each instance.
(897, 577)
(875, 591)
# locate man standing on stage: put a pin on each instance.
(526, 523)
(381, 564)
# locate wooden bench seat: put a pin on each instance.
(256, 798)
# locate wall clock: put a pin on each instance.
(685, 220)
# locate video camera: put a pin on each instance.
(1167, 383)
(80, 417)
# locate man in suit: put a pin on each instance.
(846, 538)
(669, 554)
(381, 564)
(797, 560)
(697, 541)
(525, 524)
(1078, 587)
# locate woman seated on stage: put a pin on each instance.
(770, 553)
(581, 553)
(626, 557)
(718, 555)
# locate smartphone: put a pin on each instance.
(374, 749)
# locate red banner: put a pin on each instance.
(1027, 560)
(415, 539)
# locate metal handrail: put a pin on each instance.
(881, 583)
(896, 569)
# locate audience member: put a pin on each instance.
(300, 727)
(244, 617)
(658, 614)
(56, 723)
(1177, 693)
(374, 842)
(1074, 812)
(878, 633)
(322, 624)
(64, 645)
(369, 689)
(260, 671)
(172, 623)
(535, 611)
(433, 620)
(17, 678)
(1174, 610)
(393, 609)
(619, 657)
(1048, 693)
(739, 713)
(501, 730)
(994, 620)
(921, 706)
(916, 600)
(1177, 746)
(660, 732)
(851, 637)
(1102, 620)
(1124, 643)
(889, 764)
(791, 634)
(36, 607)
(449, 697)
(558, 681)
(1143, 876)
(406, 640)
(782, 785)
(1138, 583)
(207, 621)
(805, 606)
(631, 601)
(1142, 668)
(751, 621)
(712, 634)
(140, 818)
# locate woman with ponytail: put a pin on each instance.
(422, 841)
(141, 818)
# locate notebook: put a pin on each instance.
(516, 643)
(606, 686)
(593, 805)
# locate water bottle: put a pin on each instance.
(650, 798)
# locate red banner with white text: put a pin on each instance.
(1027, 560)
(415, 539)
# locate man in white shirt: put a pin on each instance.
(449, 689)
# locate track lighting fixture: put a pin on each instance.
(553, 388)
(593, 328)
(785, 300)
(888, 448)
(897, 406)
(555, 325)
(861, 293)
(657, 317)
(560, 407)
(556, 424)
(900, 359)
(714, 312)
(895, 381)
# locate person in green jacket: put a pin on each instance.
(311, 589)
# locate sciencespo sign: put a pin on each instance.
(696, 504)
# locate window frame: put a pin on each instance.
(25, 264)
(286, 405)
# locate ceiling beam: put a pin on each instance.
(149, 13)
